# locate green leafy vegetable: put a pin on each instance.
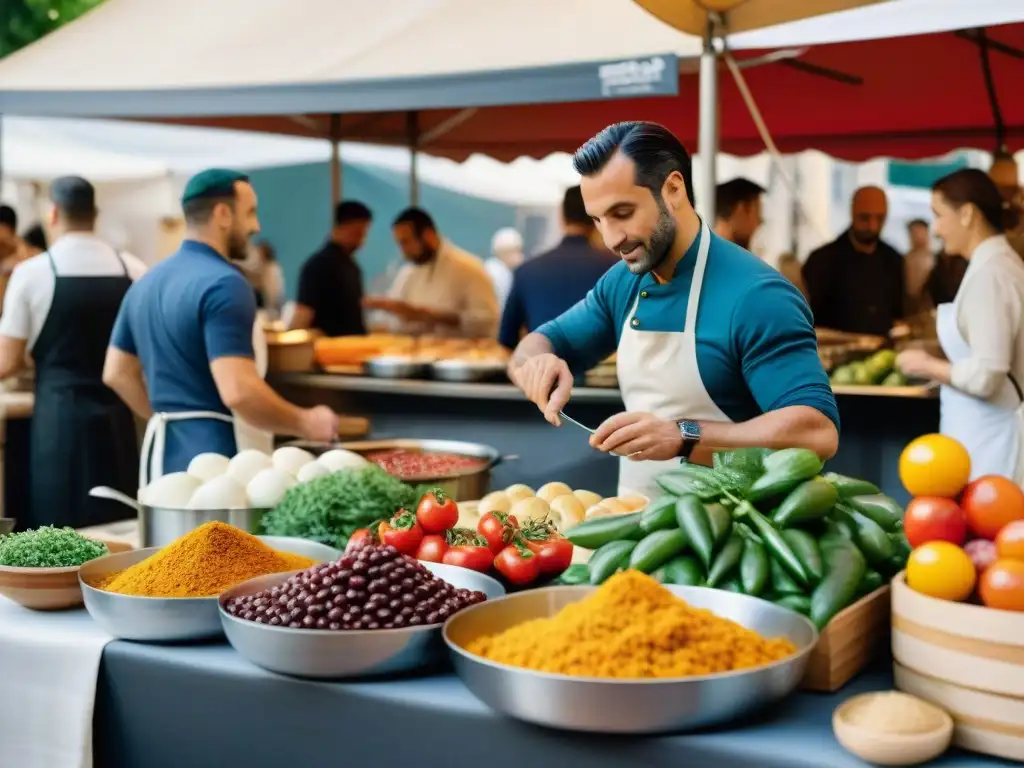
(329, 509)
(49, 547)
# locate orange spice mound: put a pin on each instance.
(203, 563)
(632, 627)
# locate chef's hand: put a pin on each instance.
(538, 376)
(640, 436)
(915, 362)
(320, 424)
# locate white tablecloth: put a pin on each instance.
(49, 664)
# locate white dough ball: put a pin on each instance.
(291, 459)
(340, 459)
(244, 466)
(219, 493)
(312, 471)
(207, 466)
(268, 488)
(172, 491)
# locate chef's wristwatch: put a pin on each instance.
(690, 432)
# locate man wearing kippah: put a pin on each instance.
(60, 307)
(182, 352)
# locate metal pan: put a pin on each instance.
(159, 526)
(396, 368)
(463, 371)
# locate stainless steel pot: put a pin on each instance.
(159, 526)
(462, 486)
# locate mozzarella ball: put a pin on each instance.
(244, 466)
(291, 459)
(219, 493)
(266, 490)
(207, 466)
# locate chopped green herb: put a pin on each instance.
(49, 547)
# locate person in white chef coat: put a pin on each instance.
(980, 331)
(506, 256)
(442, 290)
(186, 353)
(715, 349)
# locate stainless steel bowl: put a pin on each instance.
(626, 706)
(168, 619)
(327, 654)
(396, 368)
(159, 526)
(462, 371)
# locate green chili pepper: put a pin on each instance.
(693, 521)
(726, 560)
(773, 540)
(753, 567)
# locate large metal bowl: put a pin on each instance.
(619, 705)
(168, 619)
(328, 654)
(159, 526)
(396, 368)
(462, 371)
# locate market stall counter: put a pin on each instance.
(876, 423)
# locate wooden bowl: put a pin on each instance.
(883, 748)
(45, 589)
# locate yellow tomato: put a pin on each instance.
(935, 465)
(942, 570)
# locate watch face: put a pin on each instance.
(690, 430)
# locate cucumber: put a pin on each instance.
(806, 549)
(693, 521)
(799, 603)
(726, 560)
(575, 574)
(753, 567)
(593, 534)
(850, 486)
(608, 559)
(684, 570)
(883, 510)
(784, 470)
(811, 500)
(656, 549)
(845, 567)
(659, 515)
(721, 522)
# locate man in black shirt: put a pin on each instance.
(331, 283)
(855, 283)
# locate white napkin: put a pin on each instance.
(49, 665)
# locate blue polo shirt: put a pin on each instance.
(756, 347)
(186, 312)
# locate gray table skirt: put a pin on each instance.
(198, 706)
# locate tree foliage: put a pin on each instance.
(25, 21)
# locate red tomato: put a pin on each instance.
(432, 548)
(517, 564)
(982, 553)
(468, 556)
(1002, 585)
(437, 512)
(359, 539)
(991, 502)
(554, 555)
(402, 532)
(930, 518)
(498, 528)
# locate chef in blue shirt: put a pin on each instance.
(715, 349)
(185, 352)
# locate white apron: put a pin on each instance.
(658, 374)
(151, 460)
(992, 434)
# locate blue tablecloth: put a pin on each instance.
(196, 706)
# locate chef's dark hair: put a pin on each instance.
(8, 217)
(729, 195)
(351, 210)
(974, 187)
(653, 148)
(419, 219)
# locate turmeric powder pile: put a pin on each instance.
(202, 563)
(632, 627)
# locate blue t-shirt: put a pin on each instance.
(756, 347)
(186, 312)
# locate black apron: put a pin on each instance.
(82, 434)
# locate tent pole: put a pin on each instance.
(707, 131)
(412, 122)
(335, 162)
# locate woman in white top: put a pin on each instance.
(982, 404)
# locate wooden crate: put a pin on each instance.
(967, 659)
(849, 642)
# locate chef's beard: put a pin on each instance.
(238, 250)
(657, 248)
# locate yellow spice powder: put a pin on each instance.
(632, 627)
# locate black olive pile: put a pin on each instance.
(370, 588)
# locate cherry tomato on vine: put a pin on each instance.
(437, 512)
(401, 532)
(432, 548)
(498, 528)
(469, 556)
